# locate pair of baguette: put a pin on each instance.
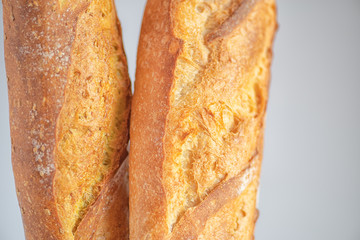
(197, 118)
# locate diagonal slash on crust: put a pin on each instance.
(233, 21)
(194, 220)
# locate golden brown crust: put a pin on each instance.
(155, 66)
(192, 223)
(230, 24)
(108, 218)
(40, 40)
(197, 117)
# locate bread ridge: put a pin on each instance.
(39, 54)
(198, 114)
(98, 223)
(157, 53)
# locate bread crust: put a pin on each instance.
(108, 218)
(154, 79)
(39, 53)
(197, 119)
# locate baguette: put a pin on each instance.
(197, 118)
(69, 96)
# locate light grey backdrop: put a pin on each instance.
(310, 186)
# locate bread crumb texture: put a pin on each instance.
(91, 133)
(217, 106)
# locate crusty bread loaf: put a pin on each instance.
(197, 118)
(69, 95)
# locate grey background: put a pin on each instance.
(310, 186)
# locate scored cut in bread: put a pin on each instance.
(197, 118)
(69, 96)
